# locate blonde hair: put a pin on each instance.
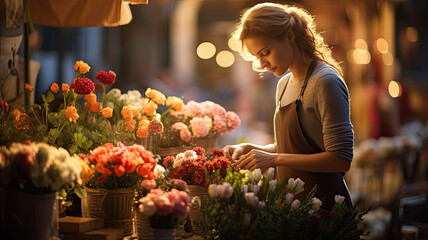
(273, 20)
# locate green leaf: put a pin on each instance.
(80, 192)
(67, 203)
(63, 193)
(73, 149)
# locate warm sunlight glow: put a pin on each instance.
(234, 44)
(394, 89)
(382, 45)
(206, 50)
(225, 59)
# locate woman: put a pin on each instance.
(313, 133)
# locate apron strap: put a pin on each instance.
(308, 75)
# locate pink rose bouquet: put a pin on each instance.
(166, 209)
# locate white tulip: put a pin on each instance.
(270, 173)
(316, 204)
(272, 185)
(212, 190)
(339, 199)
(295, 204)
(288, 198)
(257, 175)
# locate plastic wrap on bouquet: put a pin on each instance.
(28, 216)
(196, 194)
(118, 209)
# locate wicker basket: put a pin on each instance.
(92, 205)
(196, 194)
(118, 209)
(208, 143)
(144, 230)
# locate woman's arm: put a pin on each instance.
(317, 162)
(235, 152)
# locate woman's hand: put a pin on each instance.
(257, 159)
(234, 152)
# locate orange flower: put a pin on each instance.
(130, 125)
(71, 114)
(65, 87)
(127, 113)
(28, 87)
(119, 170)
(23, 121)
(54, 88)
(94, 107)
(149, 107)
(90, 98)
(156, 126)
(107, 112)
(81, 67)
(143, 129)
(15, 112)
(156, 96)
(175, 103)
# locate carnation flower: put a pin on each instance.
(199, 127)
(90, 98)
(178, 126)
(143, 129)
(233, 120)
(130, 125)
(185, 135)
(149, 107)
(28, 87)
(107, 112)
(94, 107)
(155, 126)
(65, 87)
(23, 121)
(81, 67)
(156, 96)
(106, 78)
(220, 125)
(175, 103)
(194, 109)
(54, 87)
(83, 86)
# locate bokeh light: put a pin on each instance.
(388, 59)
(411, 34)
(206, 50)
(382, 45)
(225, 59)
(394, 89)
(234, 44)
(361, 44)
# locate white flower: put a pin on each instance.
(295, 185)
(270, 173)
(147, 207)
(225, 190)
(257, 175)
(250, 176)
(251, 199)
(288, 198)
(159, 171)
(255, 189)
(245, 189)
(295, 204)
(272, 185)
(212, 190)
(339, 199)
(316, 204)
(114, 93)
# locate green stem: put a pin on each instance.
(104, 93)
(34, 113)
(59, 132)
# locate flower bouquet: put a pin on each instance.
(118, 171)
(194, 124)
(248, 205)
(165, 209)
(31, 175)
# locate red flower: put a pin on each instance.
(168, 162)
(106, 78)
(4, 106)
(23, 121)
(119, 170)
(101, 179)
(218, 153)
(83, 86)
(199, 151)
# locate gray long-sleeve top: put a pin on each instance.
(324, 113)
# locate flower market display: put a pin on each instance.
(147, 164)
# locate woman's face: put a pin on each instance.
(274, 55)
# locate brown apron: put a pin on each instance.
(291, 139)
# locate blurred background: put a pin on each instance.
(183, 48)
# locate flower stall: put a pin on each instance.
(146, 164)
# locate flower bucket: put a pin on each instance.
(207, 143)
(92, 205)
(196, 194)
(118, 209)
(144, 230)
(28, 216)
(164, 233)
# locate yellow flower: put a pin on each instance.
(86, 173)
(90, 98)
(81, 67)
(156, 96)
(65, 87)
(107, 112)
(176, 103)
(149, 107)
(143, 129)
(28, 87)
(71, 114)
(130, 125)
(54, 88)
